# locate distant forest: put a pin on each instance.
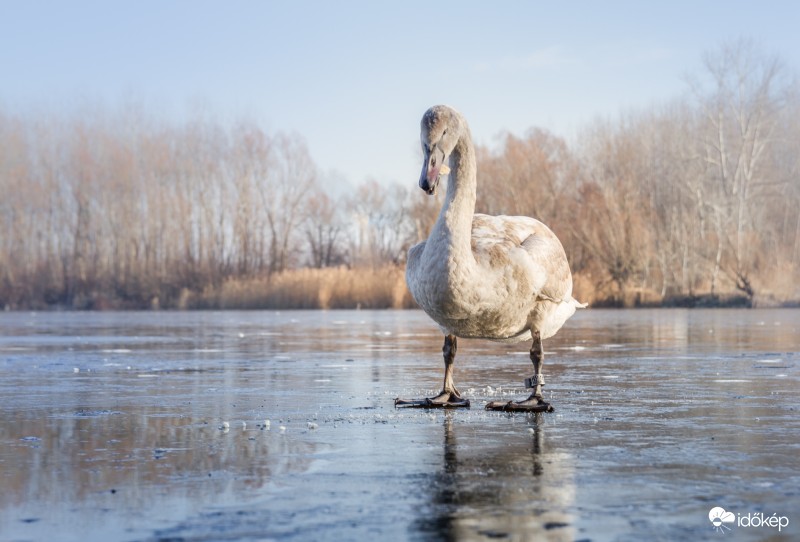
(691, 202)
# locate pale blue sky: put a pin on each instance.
(355, 77)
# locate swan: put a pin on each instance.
(501, 278)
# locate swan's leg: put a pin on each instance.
(449, 396)
(537, 357)
(449, 392)
(536, 402)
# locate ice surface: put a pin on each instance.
(657, 421)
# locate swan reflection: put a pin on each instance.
(516, 486)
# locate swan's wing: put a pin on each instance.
(521, 240)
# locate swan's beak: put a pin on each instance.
(429, 179)
(433, 168)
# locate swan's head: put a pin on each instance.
(440, 130)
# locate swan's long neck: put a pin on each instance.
(455, 218)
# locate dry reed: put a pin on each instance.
(329, 288)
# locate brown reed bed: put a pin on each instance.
(329, 288)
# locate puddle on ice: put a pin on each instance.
(656, 421)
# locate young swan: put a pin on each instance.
(502, 278)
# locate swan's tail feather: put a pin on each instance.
(578, 305)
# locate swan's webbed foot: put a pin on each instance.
(446, 399)
(534, 403)
(449, 397)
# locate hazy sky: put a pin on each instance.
(355, 77)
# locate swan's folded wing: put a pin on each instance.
(503, 232)
(494, 235)
(547, 252)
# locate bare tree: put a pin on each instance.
(526, 176)
(383, 227)
(291, 175)
(612, 226)
(741, 112)
(324, 229)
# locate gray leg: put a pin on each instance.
(449, 396)
(449, 354)
(534, 403)
(537, 357)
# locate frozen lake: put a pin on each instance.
(151, 426)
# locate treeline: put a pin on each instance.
(123, 211)
(696, 201)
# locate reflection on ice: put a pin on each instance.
(511, 487)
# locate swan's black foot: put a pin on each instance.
(532, 404)
(443, 400)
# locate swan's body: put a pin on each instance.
(503, 278)
(515, 280)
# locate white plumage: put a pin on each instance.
(503, 278)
